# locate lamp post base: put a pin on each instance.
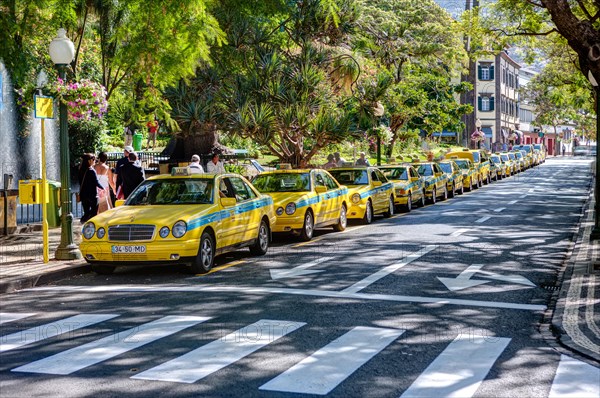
(69, 252)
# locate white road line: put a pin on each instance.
(6, 317)
(201, 362)
(498, 210)
(483, 219)
(77, 358)
(459, 369)
(261, 291)
(325, 369)
(512, 202)
(459, 232)
(360, 285)
(300, 270)
(523, 196)
(575, 379)
(49, 330)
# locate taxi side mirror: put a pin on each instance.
(376, 183)
(119, 202)
(320, 189)
(228, 202)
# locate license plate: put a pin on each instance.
(128, 249)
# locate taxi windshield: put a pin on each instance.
(425, 170)
(350, 177)
(504, 158)
(396, 173)
(176, 191)
(476, 157)
(518, 155)
(511, 156)
(446, 167)
(463, 164)
(283, 182)
(495, 159)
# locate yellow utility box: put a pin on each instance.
(30, 192)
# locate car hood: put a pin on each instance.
(147, 214)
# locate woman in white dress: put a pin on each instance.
(105, 178)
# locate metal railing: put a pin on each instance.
(32, 214)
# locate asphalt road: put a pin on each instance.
(444, 301)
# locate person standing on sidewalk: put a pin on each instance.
(106, 180)
(152, 131)
(563, 148)
(132, 175)
(118, 181)
(88, 185)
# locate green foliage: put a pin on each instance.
(86, 136)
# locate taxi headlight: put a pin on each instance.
(179, 229)
(356, 198)
(279, 211)
(290, 209)
(164, 232)
(400, 191)
(88, 230)
(101, 232)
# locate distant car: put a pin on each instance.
(408, 185)
(498, 168)
(369, 192)
(582, 150)
(455, 177)
(529, 152)
(510, 164)
(186, 218)
(518, 163)
(436, 181)
(469, 172)
(304, 200)
(480, 160)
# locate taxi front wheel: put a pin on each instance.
(368, 218)
(309, 227)
(261, 245)
(206, 254)
(343, 221)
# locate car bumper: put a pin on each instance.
(357, 211)
(155, 251)
(287, 223)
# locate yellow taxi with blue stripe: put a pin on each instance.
(455, 177)
(480, 161)
(304, 200)
(498, 168)
(469, 172)
(434, 180)
(369, 192)
(408, 185)
(180, 218)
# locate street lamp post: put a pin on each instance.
(595, 234)
(378, 111)
(62, 53)
(478, 129)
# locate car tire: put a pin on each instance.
(308, 229)
(408, 206)
(368, 218)
(390, 210)
(205, 258)
(433, 196)
(452, 191)
(480, 182)
(462, 189)
(343, 221)
(445, 195)
(489, 179)
(423, 200)
(261, 246)
(103, 269)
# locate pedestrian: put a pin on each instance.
(152, 131)
(563, 148)
(339, 161)
(195, 165)
(362, 161)
(88, 184)
(132, 175)
(118, 181)
(106, 179)
(128, 135)
(330, 162)
(215, 166)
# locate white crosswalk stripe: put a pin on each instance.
(575, 379)
(325, 369)
(77, 358)
(459, 370)
(218, 354)
(39, 333)
(6, 317)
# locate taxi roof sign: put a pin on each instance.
(181, 171)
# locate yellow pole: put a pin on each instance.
(46, 249)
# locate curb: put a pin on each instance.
(10, 285)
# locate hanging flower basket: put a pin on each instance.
(512, 136)
(85, 100)
(478, 136)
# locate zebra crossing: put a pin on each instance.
(458, 371)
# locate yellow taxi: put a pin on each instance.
(529, 152)
(469, 173)
(541, 149)
(517, 157)
(180, 218)
(408, 185)
(455, 177)
(517, 163)
(434, 180)
(369, 192)
(498, 168)
(304, 200)
(511, 165)
(480, 161)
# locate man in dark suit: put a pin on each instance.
(117, 170)
(132, 174)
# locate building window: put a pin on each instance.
(485, 72)
(485, 103)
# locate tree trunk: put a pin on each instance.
(202, 142)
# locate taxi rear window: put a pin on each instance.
(173, 192)
(350, 177)
(284, 182)
(396, 173)
(463, 164)
(446, 167)
(425, 170)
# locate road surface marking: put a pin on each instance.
(464, 281)
(77, 358)
(459, 232)
(239, 290)
(229, 265)
(6, 317)
(300, 270)
(575, 379)
(358, 286)
(353, 229)
(523, 196)
(206, 360)
(498, 210)
(49, 330)
(512, 202)
(325, 369)
(483, 219)
(459, 370)
(309, 242)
